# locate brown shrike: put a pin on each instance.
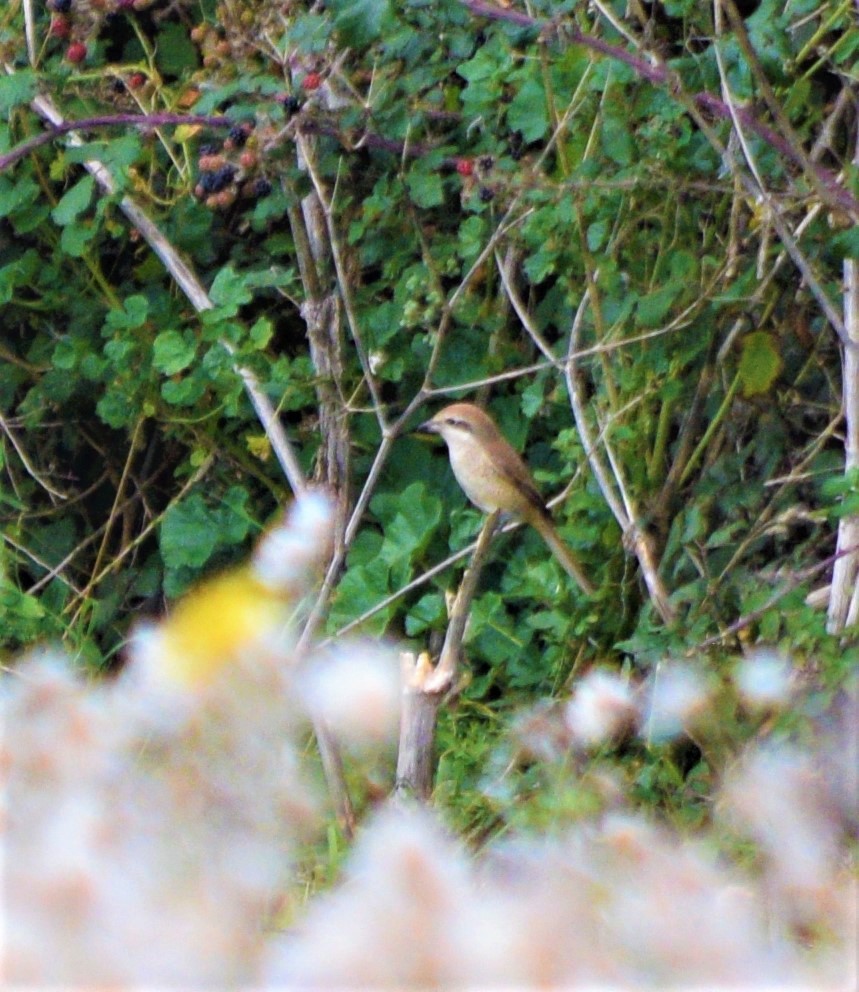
(494, 477)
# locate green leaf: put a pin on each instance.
(846, 243)
(171, 352)
(597, 233)
(135, 310)
(616, 140)
(74, 201)
(261, 333)
(425, 188)
(527, 111)
(760, 363)
(428, 612)
(188, 534)
(76, 237)
(229, 290)
(13, 196)
(409, 519)
(361, 21)
(176, 53)
(653, 307)
(183, 392)
(17, 273)
(16, 89)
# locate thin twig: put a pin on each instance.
(31, 470)
(635, 537)
(749, 618)
(758, 191)
(344, 284)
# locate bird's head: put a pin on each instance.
(462, 422)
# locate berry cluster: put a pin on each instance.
(77, 21)
(475, 174)
(227, 171)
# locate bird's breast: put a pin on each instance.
(476, 474)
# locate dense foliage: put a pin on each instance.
(393, 204)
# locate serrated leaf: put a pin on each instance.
(261, 333)
(428, 611)
(425, 188)
(653, 307)
(183, 392)
(76, 237)
(616, 140)
(171, 353)
(15, 195)
(527, 112)
(134, 312)
(74, 201)
(760, 363)
(188, 534)
(229, 289)
(177, 54)
(846, 243)
(361, 22)
(16, 89)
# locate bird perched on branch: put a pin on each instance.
(494, 477)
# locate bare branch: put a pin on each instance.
(425, 686)
(844, 597)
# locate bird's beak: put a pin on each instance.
(428, 427)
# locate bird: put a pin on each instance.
(494, 476)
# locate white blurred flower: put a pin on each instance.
(290, 550)
(782, 799)
(602, 707)
(763, 678)
(355, 689)
(393, 923)
(678, 696)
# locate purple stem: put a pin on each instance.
(659, 75)
(107, 120)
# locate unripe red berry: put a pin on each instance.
(248, 159)
(136, 80)
(312, 81)
(211, 163)
(464, 166)
(60, 27)
(76, 52)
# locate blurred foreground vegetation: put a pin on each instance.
(392, 205)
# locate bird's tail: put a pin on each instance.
(560, 550)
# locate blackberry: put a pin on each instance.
(290, 103)
(208, 149)
(214, 182)
(61, 6)
(487, 195)
(239, 134)
(261, 187)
